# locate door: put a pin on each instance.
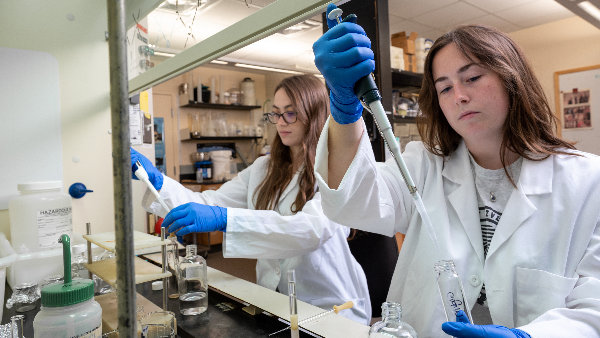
(163, 107)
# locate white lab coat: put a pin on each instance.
(542, 272)
(326, 272)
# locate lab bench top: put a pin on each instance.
(225, 317)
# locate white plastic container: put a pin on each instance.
(247, 87)
(37, 218)
(221, 160)
(68, 310)
(7, 258)
(69, 321)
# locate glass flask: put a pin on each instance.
(173, 261)
(193, 283)
(391, 324)
(451, 290)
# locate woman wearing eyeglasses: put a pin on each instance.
(272, 211)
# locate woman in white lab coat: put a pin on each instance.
(488, 147)
(273, 211)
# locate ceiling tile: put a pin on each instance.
(408, 26)
(227, 12)
(510, 28)
(488, 20)
(302, 63)
(493, 6)
(522, 15)
(408, 9)
(263, 57)
(288, 48)
(450, 15)
(548, 18)
(311, 36)
(432, 34)
(394, 18)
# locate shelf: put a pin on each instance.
(404, 119)
(223, 138)
(402, 78)
(144, 272)
(193, 104)
(141, 240)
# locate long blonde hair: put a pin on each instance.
(311, 103)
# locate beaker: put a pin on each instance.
(173, 261)
(158, 324)
(451, 290)
(196, 127)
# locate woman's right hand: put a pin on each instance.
(343, 55)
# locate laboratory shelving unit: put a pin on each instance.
(194, 104)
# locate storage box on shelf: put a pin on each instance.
(407, 43)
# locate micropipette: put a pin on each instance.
(142, 175)
(368, 94)
(336, 309)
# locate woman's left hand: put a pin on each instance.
(463, 329)
(195, 217)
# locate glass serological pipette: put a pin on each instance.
(336, 309)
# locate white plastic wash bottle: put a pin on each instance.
(68, 310)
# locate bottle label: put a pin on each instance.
(95, 333)
(51, 224)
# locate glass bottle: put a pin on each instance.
(79, 258)
(451, 290)
(173, 261)
(391, 324)
(193, 283)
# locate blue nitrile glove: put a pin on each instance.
(155, 176)
(462, 329)
(195, 217)
(343, 55)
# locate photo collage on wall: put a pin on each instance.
(576, 109)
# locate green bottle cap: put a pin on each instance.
(71, 292)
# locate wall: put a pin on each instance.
(82, 53)
(561, 45)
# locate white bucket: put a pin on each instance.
(221, 168)
(7, 257)
(221, 160)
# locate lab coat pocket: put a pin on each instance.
(539, 291)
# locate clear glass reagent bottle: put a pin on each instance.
(173, 267)
(451, 290)
(193, 283)
(391, 324)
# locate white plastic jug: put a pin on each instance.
(38, 216)
(7, 257)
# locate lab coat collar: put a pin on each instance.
(535, 179)
(464, 198)
(291, 185)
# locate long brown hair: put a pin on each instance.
(311, 103)
(529, 129)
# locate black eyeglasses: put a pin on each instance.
(288, 117)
